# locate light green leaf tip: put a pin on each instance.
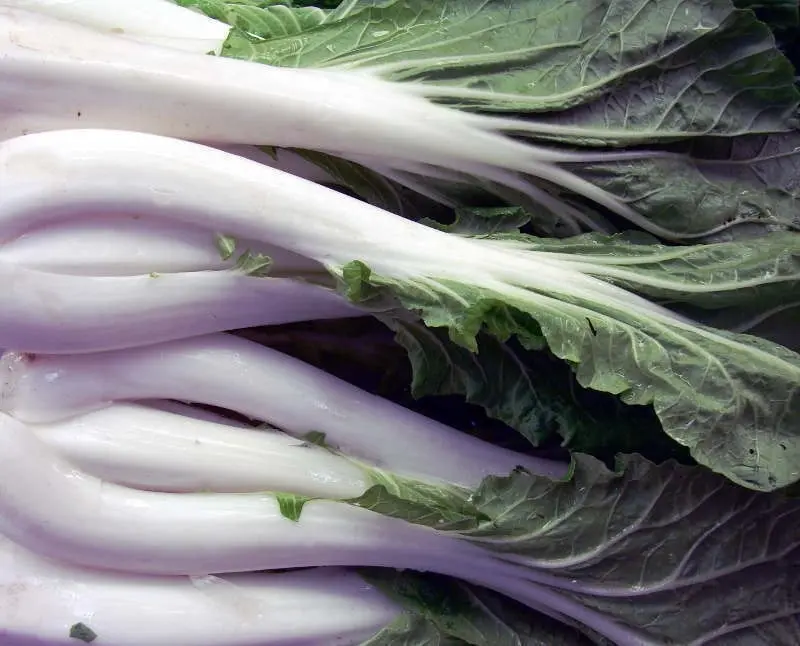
(226, 245)
(258, 265)
(291, 505)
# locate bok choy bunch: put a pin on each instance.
(448, 322)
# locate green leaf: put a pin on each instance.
(593, 74)
(756, 272)
(446, 611)
(291, 505)
(748, 181)
(317, 439)
(438, 506)
(657, 549)
(226, 245)
(254, 264)
(356, 281)
(493, 377)
(82, 632)
(368, 185)
(730, 398)
(486, 221)
(729, 80)
(532, 392)
(634, 543)
(717, 70)
(257, 20)
(272, 151)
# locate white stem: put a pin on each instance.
(130, 245)
(44, 312)
(49, 176)
(233, 373)
(41, 599)
(98, 81)
(64, 514)
(149, 449)
(56, 74)
(152, 21)
(61, 513)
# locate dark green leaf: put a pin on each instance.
(82, 632)
(532, 392)
(657, 548)
(449, 612)
(717, 184)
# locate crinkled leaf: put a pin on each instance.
(628, 544)
(596, 74)
(254, 264)
(638, 71)
(258, 20)
(433, 505)
(532, 392)
(658, 549)
(661, 548)
(717, 184)
(731, 399)
(731, 80)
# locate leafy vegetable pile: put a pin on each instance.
(379, 322)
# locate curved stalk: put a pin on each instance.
(233, 373)
(154, 450)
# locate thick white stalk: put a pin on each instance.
(150, 449)
(57, 74)
(95, 80)
(41, 599)
(159, 22)
(130, 245)
(49, 176)
(45, 312)
(233, 373)
(62, 513)
(115, 245)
